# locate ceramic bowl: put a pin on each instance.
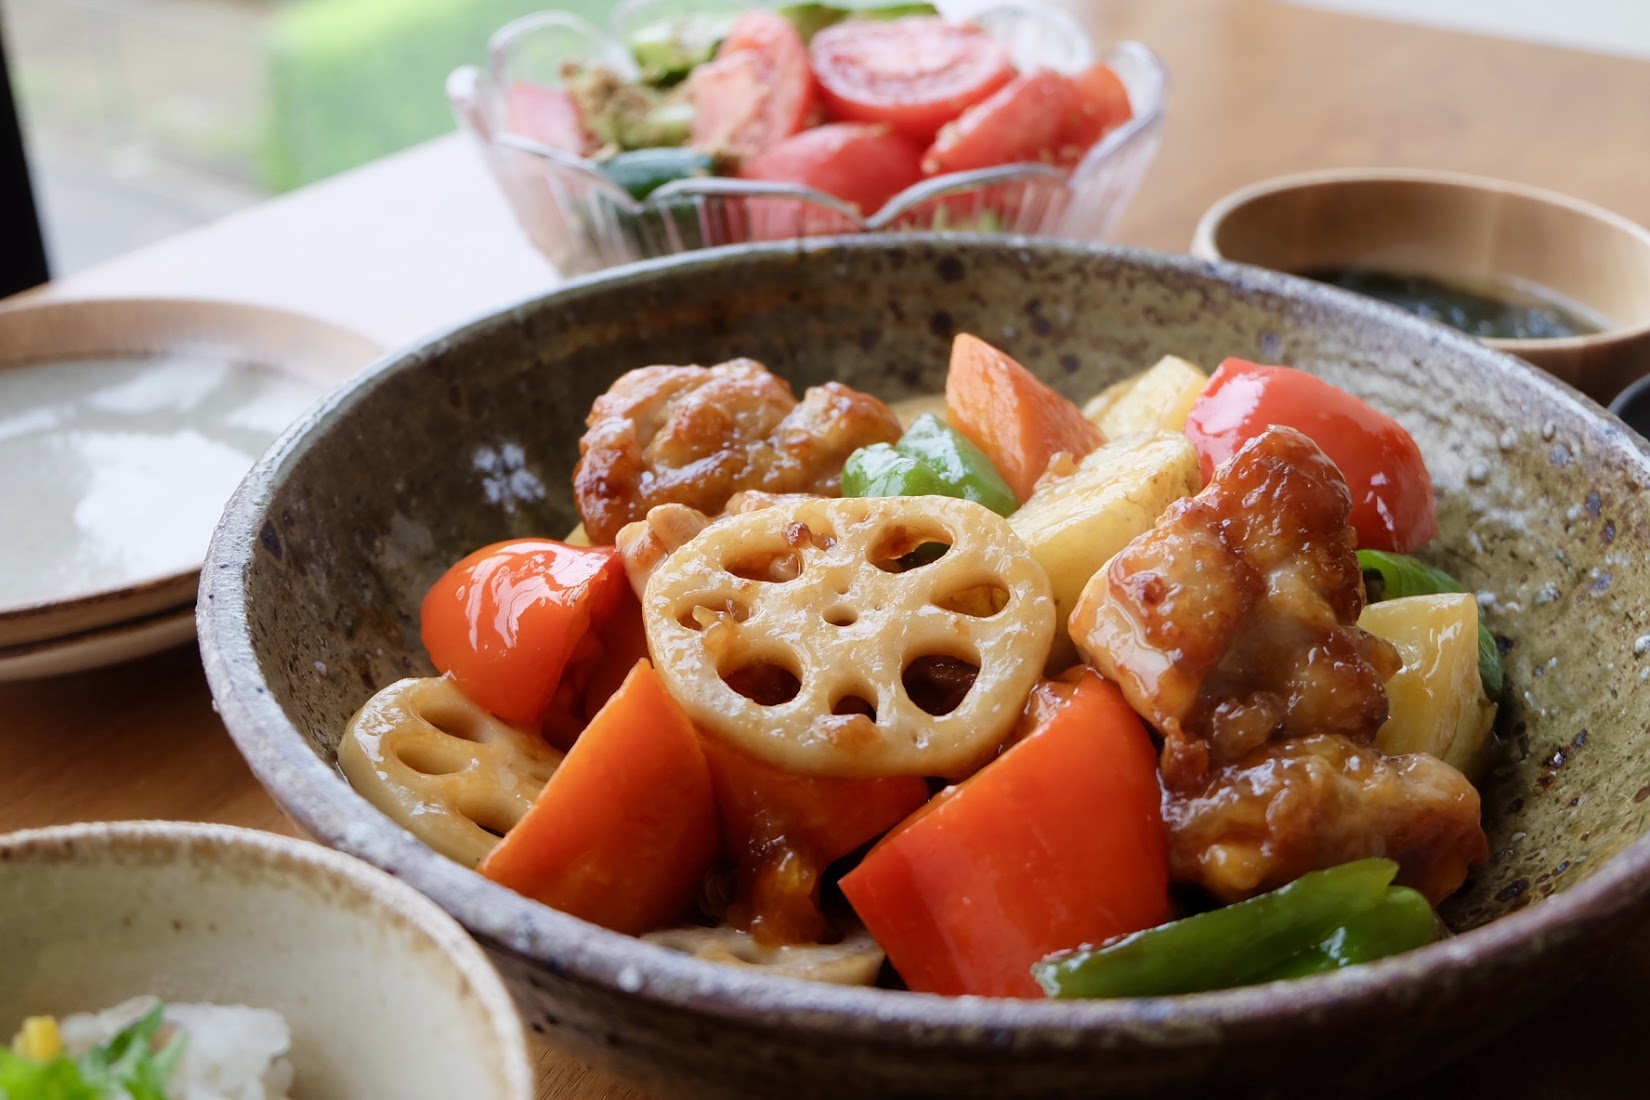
(1457, 227)
(581, 220)
(310, 602)
(385, 995)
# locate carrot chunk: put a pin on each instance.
(1006, 411)
(626, 828)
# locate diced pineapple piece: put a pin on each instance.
(1156, 399)
(1075, 523)
(1436, 701)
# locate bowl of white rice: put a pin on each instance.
(230, 964)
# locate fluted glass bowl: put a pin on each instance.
(583, 221)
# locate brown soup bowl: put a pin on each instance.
(310, 595)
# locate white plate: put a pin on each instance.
(96, 648)
(124, 427)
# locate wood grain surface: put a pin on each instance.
(419, 242)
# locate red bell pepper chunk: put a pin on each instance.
(1056, 843)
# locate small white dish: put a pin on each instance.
(122, 641)
(124, 427)
(385, 994)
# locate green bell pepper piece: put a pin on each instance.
(1401, 921)
(960, 464)
(931, 459)
(881, 471)
(1225, 947)
(1390, 576)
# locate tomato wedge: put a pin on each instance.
(1058, 842)
(862, 164)
(1024, 120)
(1392, 500)
(1102, 106)
(757, 90)
(508, 620)
(549, 116)
(915, 74)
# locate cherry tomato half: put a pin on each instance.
(916, 74)
(506, 621)
(756, 91)
(1102, 106)
(1024, 120)
(1392, 501)
(861, 164)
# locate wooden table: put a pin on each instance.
(420, 241)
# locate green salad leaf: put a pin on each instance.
(127, 1063)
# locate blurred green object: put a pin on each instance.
(354, 80)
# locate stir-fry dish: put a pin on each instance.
(142, 1049)
(859, 103)
(1017, 697)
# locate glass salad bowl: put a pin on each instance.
(582, 218)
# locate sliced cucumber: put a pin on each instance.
(668, 50)
(811, 18)
(643, 171)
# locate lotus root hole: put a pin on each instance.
(904, 547)
(701, 613)
(427, 759)
(453, 721)
(842, 616)
(764, 682)
(768, 566)
(938, 683)
(977, 601)
(854, 703)
(492, 816)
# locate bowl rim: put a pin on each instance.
(468, 85)
(274, 858)
(1209, 225)
(319, 799)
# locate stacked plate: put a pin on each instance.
(124, 427)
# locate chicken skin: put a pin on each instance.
(1314, 802)
(698, 435)
(1234, 620)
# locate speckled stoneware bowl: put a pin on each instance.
(385, 994)
(310, 597)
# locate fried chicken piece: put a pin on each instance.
(1234, 620)
(642, 545)
(1315, 802)
(697, 435)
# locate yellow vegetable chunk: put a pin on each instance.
(1074, 524)
(577, 537)
(39, 1039)
(1156, 399)
(1437, 703)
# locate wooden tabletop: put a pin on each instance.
(420, 241)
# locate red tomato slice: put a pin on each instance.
(1057, 842)
(858, 163)
(1102, 106)
(915, 74)
(756, 91)
(1024, 120)
(506, 621)
(549, 116)
(1392, 501)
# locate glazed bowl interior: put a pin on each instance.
(311, 597)
(1476, 231)
(384, 994)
